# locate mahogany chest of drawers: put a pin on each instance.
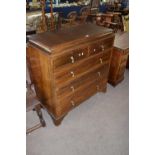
(69, 66)
(119, 58)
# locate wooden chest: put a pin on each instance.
(69, 66)
(119, 58)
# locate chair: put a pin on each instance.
(32, 103)
(84, 12)
(71, 18)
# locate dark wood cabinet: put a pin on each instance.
(69, 66)
(119, 59)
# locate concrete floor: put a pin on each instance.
(99, 126)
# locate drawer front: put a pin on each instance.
(70, 102)
(101, 46)
(71, 73)
(70, 57)
(99, 74)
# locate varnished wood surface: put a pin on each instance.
(73, 73)
(98, 74)
(78, 33)
(118, 66)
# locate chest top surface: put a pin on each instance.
(49, 41)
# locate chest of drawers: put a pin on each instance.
(69, 66)
(119, 58)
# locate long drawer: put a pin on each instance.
(71, 101)
(100, 73)
(73, 72)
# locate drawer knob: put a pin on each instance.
(72, 73)
(94, 49)
(72, 59)
(101, 61)
(73, 103)
(82, 53)
(99, 73)
(72, 88)
(102, 47)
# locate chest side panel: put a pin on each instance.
(40, 72)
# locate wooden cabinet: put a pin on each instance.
(119, 59)
(69, 66)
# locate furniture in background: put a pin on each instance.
(32, 103)
(33, 21)
(117, 18)
(84, 12)
(119, 58)
(125, 20)
(43, 25)
(52, 17)
(114, 5)
(67, 9)
(71, 19)
(69, 66)
(105, 20)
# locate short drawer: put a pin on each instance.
(70, 57)
(73, 72)
(100, 46)
(99, 74)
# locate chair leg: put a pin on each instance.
(39, 113)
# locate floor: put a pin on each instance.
(99, 126)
